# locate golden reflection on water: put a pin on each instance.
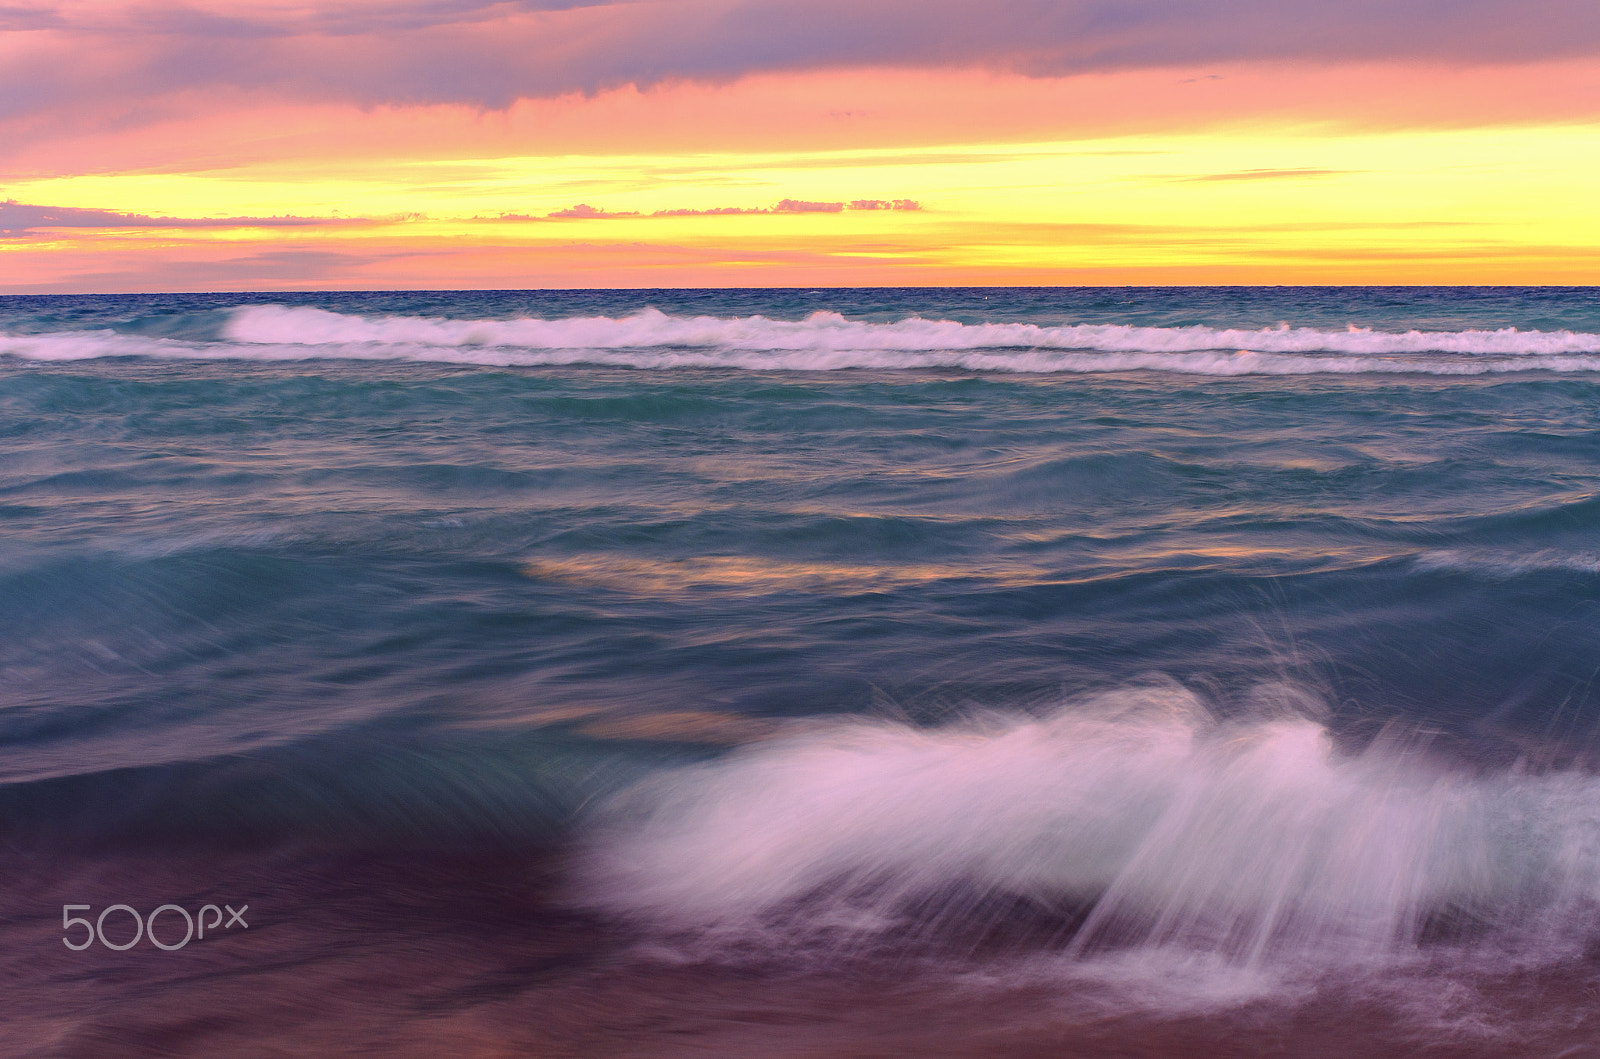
(682, 726)
(753, 575)
(747, 574)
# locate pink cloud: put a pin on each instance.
(716, 211)
(801, 206)
(584, 211)
(885, 204)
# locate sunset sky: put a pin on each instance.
(381, 144)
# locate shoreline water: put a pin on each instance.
(717, 707)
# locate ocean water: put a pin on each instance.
(1138, 672)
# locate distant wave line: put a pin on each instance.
(832, 332)
(827, 341)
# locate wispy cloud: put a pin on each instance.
(585, 212)
(715, 211)
(18, 218)
(1261, 174)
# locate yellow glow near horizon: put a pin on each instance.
(1263, 202)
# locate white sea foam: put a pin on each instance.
(1498, 563)
(828, 331)
(1175, 830)
(828, 341)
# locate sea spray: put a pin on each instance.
(1159, 823)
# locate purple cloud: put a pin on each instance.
(17, 218)
(490, 54)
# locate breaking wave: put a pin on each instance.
(1134, 820)
(826, 341)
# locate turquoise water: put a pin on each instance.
(1246, 625)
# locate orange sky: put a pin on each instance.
(299, 158)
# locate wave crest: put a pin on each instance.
(1137, 817)
(831, 331)
(827, 341)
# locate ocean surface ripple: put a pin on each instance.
(1173, 652)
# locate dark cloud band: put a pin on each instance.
(491, 54)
